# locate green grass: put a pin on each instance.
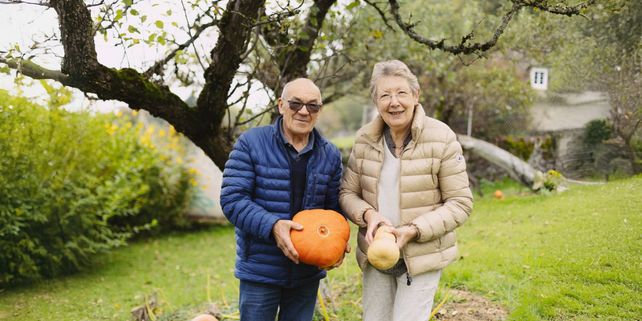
(570, 256)
(343, 142)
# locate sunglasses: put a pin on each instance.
(297, 105)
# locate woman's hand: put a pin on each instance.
(405, 234)
(374, 220)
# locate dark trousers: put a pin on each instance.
(260, 302)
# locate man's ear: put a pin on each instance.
(279, 104)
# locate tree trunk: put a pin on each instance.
(513, 165)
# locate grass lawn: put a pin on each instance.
(343, 142)
(571, 256)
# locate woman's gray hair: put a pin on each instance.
(392, 68)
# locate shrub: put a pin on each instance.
(597, 131)
(72, 185)
(518, 146)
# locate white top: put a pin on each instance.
(388, 187)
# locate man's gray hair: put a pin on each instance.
(392, 68)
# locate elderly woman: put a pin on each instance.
(406, 170)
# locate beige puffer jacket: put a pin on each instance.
(435, 194)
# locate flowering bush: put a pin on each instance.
(73, 184)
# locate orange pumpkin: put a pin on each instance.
(205, 317)
(323, 240)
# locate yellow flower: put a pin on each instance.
(111, 130)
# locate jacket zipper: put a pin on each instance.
(405, 256)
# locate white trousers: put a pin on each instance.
(389, 298)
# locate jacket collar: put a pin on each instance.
(373, 131)
(319, 140)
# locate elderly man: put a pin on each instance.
(273, 173)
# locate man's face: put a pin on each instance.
(301, 122)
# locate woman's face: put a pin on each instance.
(395, 101)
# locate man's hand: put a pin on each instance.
(374, 220)
(281, 233)
(405, 234)
(336, 265)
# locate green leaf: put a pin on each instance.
(353, 5)
(132, 29)
(159, 24)
(133, 12)
(143, 19)
(161, 40)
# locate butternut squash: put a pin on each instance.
(383, 252)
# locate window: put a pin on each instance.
(539, 78)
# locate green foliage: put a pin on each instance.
(493, 88)
(554, 180)
(73, 185)
(597, 131)
(544, 257)
(519, 147)
(344, 116)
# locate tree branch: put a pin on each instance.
(77, 36)
(463, 47)
(112, 22)
(381, 13)
(558, 8)
(157, 67)
(35, 71)
(41, 3)
(295, 60)
(235, 29)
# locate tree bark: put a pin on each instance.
(81, 69)
(513, 165)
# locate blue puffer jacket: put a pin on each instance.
(255, 195)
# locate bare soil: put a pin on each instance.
(467, 306)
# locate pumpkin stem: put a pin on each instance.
(323, 230)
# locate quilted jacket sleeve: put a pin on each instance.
(456, 195)
(239, 181)
(350, 198)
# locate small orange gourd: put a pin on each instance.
(323, 240)
(383, 252)
(205, 317)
